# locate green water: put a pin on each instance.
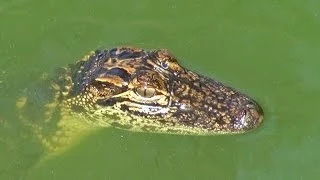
(269, 49)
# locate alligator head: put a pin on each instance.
(150, 91)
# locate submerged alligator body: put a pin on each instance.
(148, 91)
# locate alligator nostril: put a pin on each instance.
(255, 111)
(249, 117)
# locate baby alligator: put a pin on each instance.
(141, 90)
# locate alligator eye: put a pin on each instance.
(145, 92)
(164, 64)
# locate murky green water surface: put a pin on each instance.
(267, 49)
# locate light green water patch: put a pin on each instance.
(267, 49)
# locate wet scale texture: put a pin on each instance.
(141, 90)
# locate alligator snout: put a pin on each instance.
(248, 118)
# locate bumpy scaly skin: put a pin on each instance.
(140, 90)
(150, 91)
